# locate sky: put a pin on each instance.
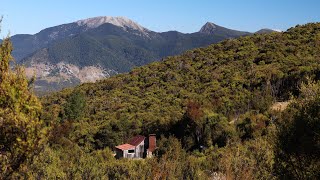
(31, 16)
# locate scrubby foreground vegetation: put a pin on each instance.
(211, 108)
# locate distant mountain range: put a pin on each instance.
(95, 48)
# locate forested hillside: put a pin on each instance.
(231, 79)
(211, 109)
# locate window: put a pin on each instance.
(131, 151)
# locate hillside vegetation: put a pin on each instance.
(210, 108)
(230, 79)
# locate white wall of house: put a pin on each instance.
(139, 150)
(130, 153)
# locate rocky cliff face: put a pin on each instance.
(56, 76)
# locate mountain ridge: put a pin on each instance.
(114, 44)
(117, 21)
(211, 28)
(25, 44)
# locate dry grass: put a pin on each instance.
(280, 106)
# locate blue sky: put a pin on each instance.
(29, 17)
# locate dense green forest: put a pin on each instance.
(213, 110)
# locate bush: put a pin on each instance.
(298, 141)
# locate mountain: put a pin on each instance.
(265, 31)
(60, 56)
(122, 22)
(25, 43)
(213, 29)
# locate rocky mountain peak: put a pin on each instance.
(117, 21)
(208, 28)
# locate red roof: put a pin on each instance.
(125, 147)
(135, 141)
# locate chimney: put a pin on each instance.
(152, 142)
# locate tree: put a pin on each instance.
(21, 130)
(75, 106)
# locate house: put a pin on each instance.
(137, 147)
